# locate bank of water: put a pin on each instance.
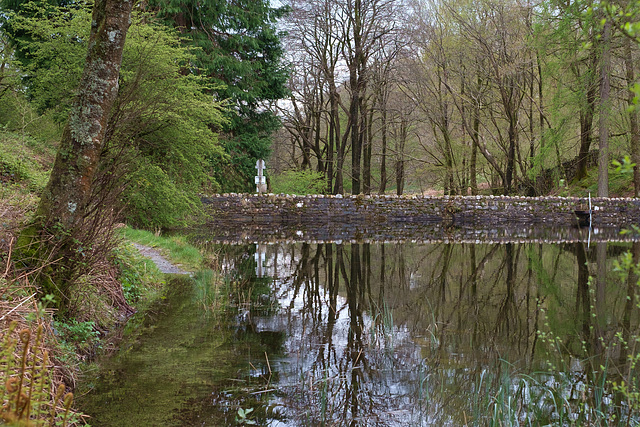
(384, 334)
(176, 360)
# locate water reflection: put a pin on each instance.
(438, 334)
(386, 334)
(339, 232)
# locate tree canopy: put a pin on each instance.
(462, 96)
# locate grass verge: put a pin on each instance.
(175, 248)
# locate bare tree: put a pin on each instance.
(605, 89)
(368, 22)
(316, 37)
(343, 41)
(476, 74)
(634, 129)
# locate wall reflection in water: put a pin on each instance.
(438, 334)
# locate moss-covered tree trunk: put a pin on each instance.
(67, 194)
(57, 235)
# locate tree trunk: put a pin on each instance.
(318, 149)
(330, 150)
(473, 173)
(605, 88)
(634, 139)
(66, 196)
(356, 146)
(400, 145)
(357, 64)
(586, 118)
(340, 144)
(449, 183)
(540, 107)
(532, 139)
(383, 160)
(318, 130)
(399, 176)
(511, 154)
(367, 123)
(342, 152)
(68, 224)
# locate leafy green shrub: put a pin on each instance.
(165, 125)
(299, 182)
(155, 201)
(77, 335)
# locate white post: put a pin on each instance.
(590, 218)
(261, 181)
(261, 251)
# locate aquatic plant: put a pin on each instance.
(242, 417)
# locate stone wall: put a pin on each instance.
(473, 211)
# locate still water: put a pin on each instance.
(384, 334)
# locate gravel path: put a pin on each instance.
(162, 264)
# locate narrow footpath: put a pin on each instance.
(161, 262)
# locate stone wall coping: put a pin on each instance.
(417, 197)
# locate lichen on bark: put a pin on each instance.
(81, 145)
(65, 199)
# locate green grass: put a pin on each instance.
(140, 278)
(23, 159)
(175, 248)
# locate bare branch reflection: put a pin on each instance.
(431, 334)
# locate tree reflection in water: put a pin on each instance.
(445, 334)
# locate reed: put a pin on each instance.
(211, 291)
(504, 397)
(382, 326)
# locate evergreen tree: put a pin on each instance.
(240, 53)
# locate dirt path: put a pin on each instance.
(163, 265)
